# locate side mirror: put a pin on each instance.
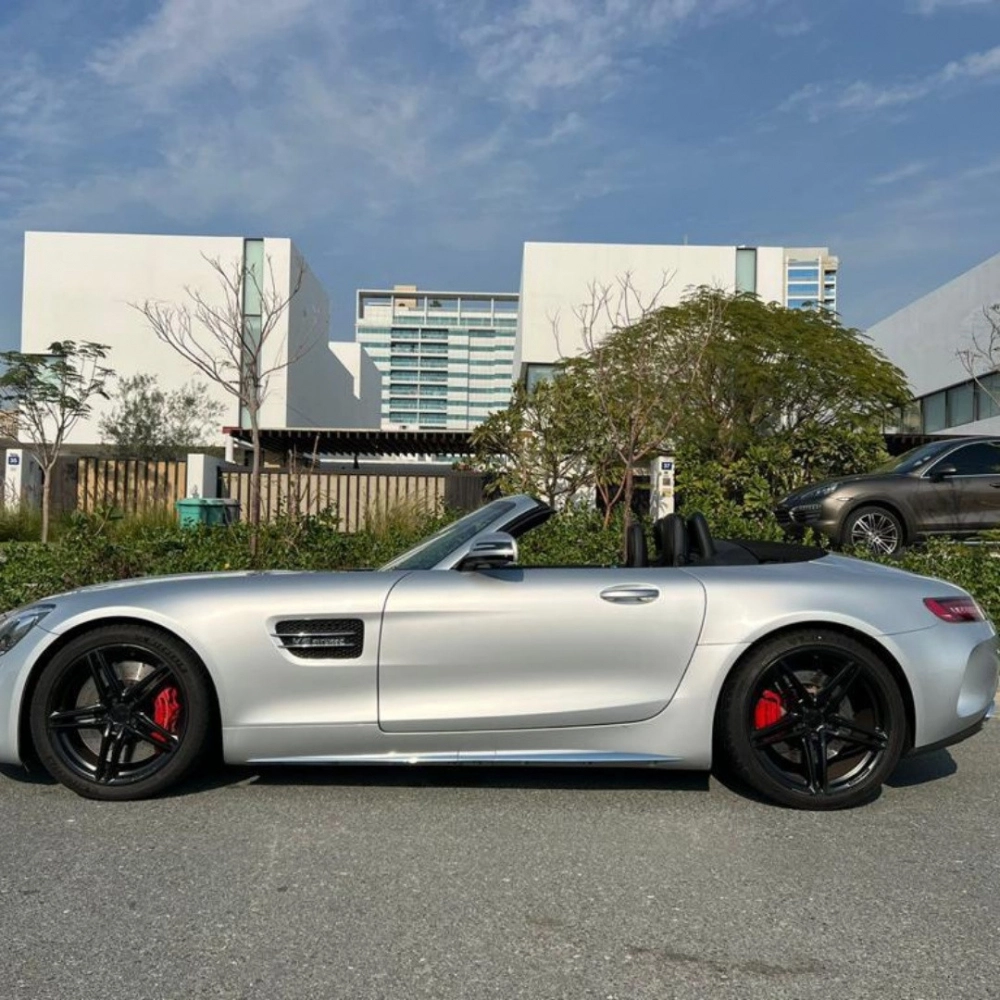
(492, 551)
(943, 472)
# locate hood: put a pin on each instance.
(175, 579)
(862, 477)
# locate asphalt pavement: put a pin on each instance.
(478, 883)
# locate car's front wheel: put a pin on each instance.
(813, 719)
(121, 712)
(877, 529)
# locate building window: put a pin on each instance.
(537, 373)
(935, 412)
(746, 269)
(987, 390)
(961, 405)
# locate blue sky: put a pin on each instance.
(425, 140)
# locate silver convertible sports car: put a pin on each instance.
(807, 674)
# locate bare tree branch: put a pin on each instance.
(237, 350)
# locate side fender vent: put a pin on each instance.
(321, 638)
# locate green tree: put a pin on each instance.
(544, 443)
(50, 393)
(146, 422)
(633, 377)
(770, 372)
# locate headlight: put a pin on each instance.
(19, 623)
(819, 492)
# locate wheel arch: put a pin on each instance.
(869, 642)
(890, 506)
(25, 744)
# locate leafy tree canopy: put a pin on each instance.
(146, 422)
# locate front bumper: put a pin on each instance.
(795, 518)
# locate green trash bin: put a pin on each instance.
(193, 511)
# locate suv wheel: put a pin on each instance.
(874, 528)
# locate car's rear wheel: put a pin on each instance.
(121, 712)
(874, 528)
(813, 720)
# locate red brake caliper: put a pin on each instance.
(768, 710)
(167, 709)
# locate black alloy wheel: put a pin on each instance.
(121, 712)
(814, 720)
(874, 528)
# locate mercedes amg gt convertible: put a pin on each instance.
(807, 674)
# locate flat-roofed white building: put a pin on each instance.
(925, 339)
(557, 278)
(84, 286)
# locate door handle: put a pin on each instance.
(630, 595)
(995, 486)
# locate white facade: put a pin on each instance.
(84, 287)
(446, 358)
(357, 388)
(558, 280)
(924, 340)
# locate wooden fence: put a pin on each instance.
(92, 484)
(129, 485)
(353, 496)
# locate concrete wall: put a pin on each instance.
(924, 338)
(307, 400)
(80, 286)
(356, 394)
(555, 279)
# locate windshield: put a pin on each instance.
(432, 550)
(915, 458)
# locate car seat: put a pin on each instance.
(671, 538)
(636, 550)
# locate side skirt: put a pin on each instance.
(548, 757)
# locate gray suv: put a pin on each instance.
(947, 487)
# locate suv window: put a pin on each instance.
(974, 460)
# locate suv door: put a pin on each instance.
(967, 501)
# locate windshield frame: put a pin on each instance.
(435, 552)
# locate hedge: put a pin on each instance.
(91, 550)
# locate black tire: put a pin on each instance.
(121, 712)
(877, 529)
(813, 719)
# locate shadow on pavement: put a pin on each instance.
(449, 776)
(923, 768)
(22, 775)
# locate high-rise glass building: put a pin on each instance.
(446, 358)
(811, 278)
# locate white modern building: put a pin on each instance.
(561, 283)
(926, 340)
(446, 358)
(86, 286)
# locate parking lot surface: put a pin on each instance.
(449, 883)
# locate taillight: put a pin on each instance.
(954, 609)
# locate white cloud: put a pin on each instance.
(528, 50)
(928, 7)
(793, 29)
(903, 173)
(864, 97)
(188, 40)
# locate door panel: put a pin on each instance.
(534, 648)
(970, 499)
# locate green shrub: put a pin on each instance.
(93, 549)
